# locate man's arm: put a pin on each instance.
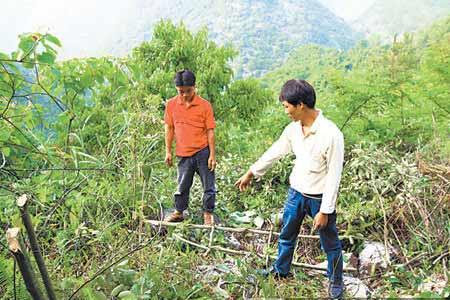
(278, 149)
(212, 149)
(335, 162)
(170, 132)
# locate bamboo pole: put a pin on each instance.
(23, 263)
(239, 230)
(223, 228)
(240, 252)
(22, 203)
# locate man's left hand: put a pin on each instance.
(211, 163)
(320, 221)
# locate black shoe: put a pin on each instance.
(336, 290)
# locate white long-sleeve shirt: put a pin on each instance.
(319, 158)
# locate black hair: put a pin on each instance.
(184, 78)
(298, 91)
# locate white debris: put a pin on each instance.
(259, 222)
(355, 288)
(435, 284)
(374, 253)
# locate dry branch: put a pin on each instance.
(232, 229)
(240, 252)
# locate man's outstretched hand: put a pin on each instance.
(244, 181)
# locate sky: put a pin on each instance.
(349, 10)
(75, 23)
(89, 27)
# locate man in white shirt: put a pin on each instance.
(318, 146)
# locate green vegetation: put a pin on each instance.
(84, 140)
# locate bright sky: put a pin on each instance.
(348, 9)
(78, 24)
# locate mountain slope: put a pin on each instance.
(264, 32)
(388, 17)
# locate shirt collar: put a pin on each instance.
(315, 126)
(194, 102)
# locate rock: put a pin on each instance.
(259, 222)
(347, 256)
(435, 284)
(355, 288)
(233, 241)
(374, 253)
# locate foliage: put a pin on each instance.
(84, 139)
(174, 48)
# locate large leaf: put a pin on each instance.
(26, 43)
(53, 39)
(46, 57)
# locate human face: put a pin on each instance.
(293, 111)
(186, 92)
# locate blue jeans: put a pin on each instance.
(296, 207)
(187, 167)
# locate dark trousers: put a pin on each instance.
(187, 167)
(296, 208)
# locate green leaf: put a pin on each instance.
(4, 135)
(46, 57)
(3, 56)
(26, 43)
(117, 290)
(127, 295)
(6, 151)
(53, 39)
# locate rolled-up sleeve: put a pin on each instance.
(168, 118)
(335, 161)
(210, 123)
(278, 149)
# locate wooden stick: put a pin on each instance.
(269, 240)
(223, 228)
(239, 252)
(239, 230)
(23, 262)
(22, 203)
(211, 237)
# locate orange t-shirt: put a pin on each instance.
(191, 124)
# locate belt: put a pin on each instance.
(314, 196)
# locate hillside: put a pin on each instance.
(264, 32)
(388, 17)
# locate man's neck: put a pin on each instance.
(188, 101)
(310, 116)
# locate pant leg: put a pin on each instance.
(207, 178)
(186, 172)
(330, 243)
(293, 215)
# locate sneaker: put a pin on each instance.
(336, 290)
(176, 216)
(208, 218)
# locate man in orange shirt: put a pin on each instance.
(190, 120)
